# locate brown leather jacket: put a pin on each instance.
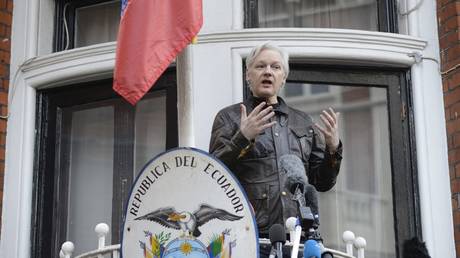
(256, 164)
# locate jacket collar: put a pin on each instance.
(280, 107)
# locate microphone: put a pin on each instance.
(277, 236)
(296, 242)
(291, 223)
(414, 247)
(296, 182)
(311, 200)
(311, 249)
(327, 255)
(295, 172)
(324, 252)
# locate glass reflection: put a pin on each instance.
(97, 23)
(345, 14)
(361, 201)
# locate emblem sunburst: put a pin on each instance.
(186, 248)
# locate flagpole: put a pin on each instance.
(185, 103)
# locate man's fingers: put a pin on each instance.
(320, 128)
(243, 111)
(333, 113)
(267, 117)
(326, 122)
(264, 112)
(265, 126)
(329, 117)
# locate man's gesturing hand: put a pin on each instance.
(331, 128)
(258, 120)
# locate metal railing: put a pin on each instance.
(102, 229)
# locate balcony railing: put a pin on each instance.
(113, 251)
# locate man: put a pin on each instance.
(250, 138)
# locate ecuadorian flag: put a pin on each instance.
(151, 34)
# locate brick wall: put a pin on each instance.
(449, 39)
(6, 12)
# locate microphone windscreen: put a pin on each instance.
(277, 234)
(295, 172)
(327, 255)
(311, 249)
(291, 222)
(311, 198)
(415, 248)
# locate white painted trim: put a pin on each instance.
(237, 14)
(307, 35)
(26, 171)
(32, 30)
(17, 195)
(63, 68)
(367, 47)
(430, 129)
(328, 45)
(237, 73)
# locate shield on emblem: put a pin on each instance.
(186, 203)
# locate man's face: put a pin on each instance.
(266, 75)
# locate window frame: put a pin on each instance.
(50, 171)
(386, 12)
(69, 6)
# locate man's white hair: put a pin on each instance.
(271, 46)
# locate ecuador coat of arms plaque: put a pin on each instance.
(186, 203)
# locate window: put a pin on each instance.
(82, 23)
(376, 192)
(371, 15)
(293, 89)
(90, 146)
(301, 89)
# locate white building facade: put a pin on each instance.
(74, 147)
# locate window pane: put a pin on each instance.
(346, 14)
(362, 199)
(91, 175)
(150, 129)
(292, 89)
(97, 23)
(318, 89)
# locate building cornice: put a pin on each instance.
(316, 45)
(315, 37)
(80, 64)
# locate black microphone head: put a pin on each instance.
(277, 234)
(415, 248)
(295, 172)
(311, 199)
(327, 255)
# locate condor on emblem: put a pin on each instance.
(185, 203)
